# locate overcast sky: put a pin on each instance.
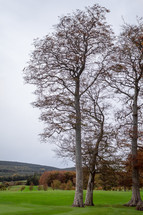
(21, 21)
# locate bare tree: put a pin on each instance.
(62, 66)
(97, 135)
(127, 80)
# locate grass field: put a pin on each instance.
(59, 202)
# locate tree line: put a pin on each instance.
(89, 90)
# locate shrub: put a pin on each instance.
(63, 186)
(62, 176)
(6, 184)
(45, 187)
(9, 187)
(34, 179)
(31, 187)
(19, 183)
(99, 188)
(74, 181)
(56, 184)
(2, 187)
(22, 188)
(69, 185)
(40, 187)
(11, 183)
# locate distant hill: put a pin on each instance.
(9, 168)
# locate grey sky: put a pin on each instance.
(20, 22)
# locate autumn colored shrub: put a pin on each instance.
(40, 187)
(22, 188)
(99, 188)
(47, 178)
(45, 187)
(69, 185)
(2, 187)
(55, 184)
(19, 183)
(63, 186)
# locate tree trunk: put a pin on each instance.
(136, 198)
(78, 199)
(90, 185)
(90, 188)
(124, 188)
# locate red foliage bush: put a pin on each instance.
(64, 177)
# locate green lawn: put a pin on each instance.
(59, 202)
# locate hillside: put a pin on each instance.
(10, 168)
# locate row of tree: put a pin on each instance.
(78, 70)
(14, 177)
(108, 177)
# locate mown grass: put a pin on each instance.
(59, 202)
